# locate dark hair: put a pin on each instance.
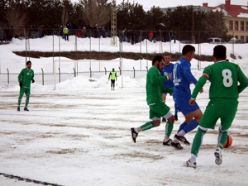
(187, 49)
(158, 58)
(28, 62)
(220, 52)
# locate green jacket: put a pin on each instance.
(65, 30)
(25, 77)
(113, 75)
(154, 86)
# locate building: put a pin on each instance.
(236, 19)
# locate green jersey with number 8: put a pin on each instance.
(224, 77)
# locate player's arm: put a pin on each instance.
(33, 77)
(157, 78)
(243, 81)
(109, 75)
(198, 88)
(189, 76)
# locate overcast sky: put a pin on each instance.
(147, 4)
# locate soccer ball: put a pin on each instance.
(229, 141)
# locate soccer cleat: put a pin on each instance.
(163, 120)
(134, 134)
(176, 144)
(18, 109)
(189, 163)
(218, 156)
(182, 139)
(167, 142)
(26, 109)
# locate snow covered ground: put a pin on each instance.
(79, 133)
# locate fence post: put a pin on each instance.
(74, 72)
(105, 70)
(59, 75)
(120, 70)
(42, 75)
(90, 73)
(133, 72)
(8, 76)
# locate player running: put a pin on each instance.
(154, 90)
(227, 82)
(182, 78)
(25, 78)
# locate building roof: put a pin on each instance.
(232, 10)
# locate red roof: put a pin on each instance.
(232, 10)
(235, 10)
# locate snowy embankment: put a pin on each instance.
(14, 63)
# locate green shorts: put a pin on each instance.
(223, 109)
(158, 110)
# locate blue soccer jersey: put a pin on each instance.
(182, 78)
(168, 69)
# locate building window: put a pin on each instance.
(236, 25)
(242, 26)
(246, 25)
(230, 25)
(246, 39)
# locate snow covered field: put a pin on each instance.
(79, 134)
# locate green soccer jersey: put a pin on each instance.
(25, 77)
(227, 80)
(154, 86)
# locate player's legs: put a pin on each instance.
(190, 123)
(208, 120)
(192, 114)
(21, 93)
(228, 112)
(157, 111)
(27, 93)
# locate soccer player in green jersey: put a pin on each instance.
(227, 81)
(25, 78)
(154, 90)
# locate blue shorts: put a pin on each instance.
(182, 104)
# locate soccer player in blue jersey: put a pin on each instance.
(168, 85)
(182, 78)
(168, 68)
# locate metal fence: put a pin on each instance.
(146, 42)
(47, 78)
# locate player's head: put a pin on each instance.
(167, 59)
(113, 69)
(158, 61)
(219, 53)
(29, 64)
(188, 52)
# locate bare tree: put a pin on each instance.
(17, 18)
(65, 14)
(96, 12)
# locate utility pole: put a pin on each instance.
(114, 23)
(193, 26)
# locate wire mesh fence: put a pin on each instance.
(55, 69)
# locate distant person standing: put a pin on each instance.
(113, 78)
(25, 78)
(66, 33)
